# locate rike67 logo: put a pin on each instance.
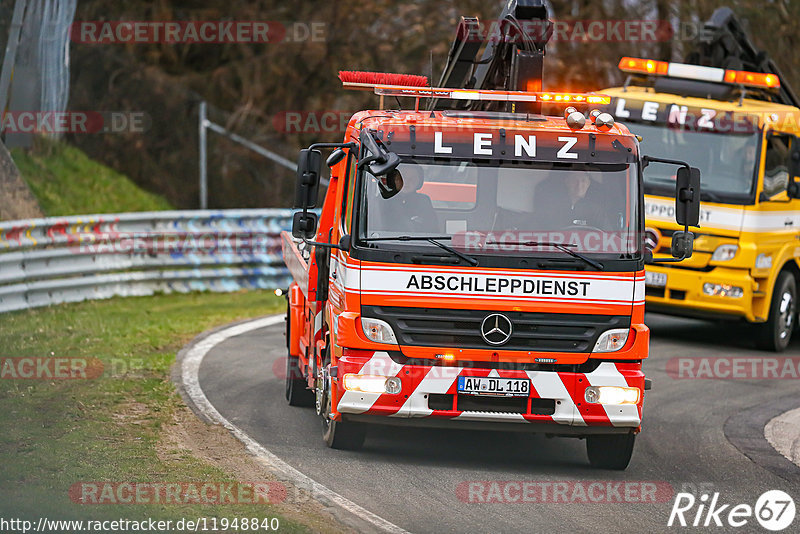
(774, 510)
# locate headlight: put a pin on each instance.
(611, 395)
(724, 253)
(372, 384)
(722, 290)
(611, 340)
(378, 331)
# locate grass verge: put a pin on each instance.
(60, 432)
(66, 181)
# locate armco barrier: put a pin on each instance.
(69, 259)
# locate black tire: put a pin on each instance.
(297, 394)
(296, 391)
(339, 434)
(611, 451)
(775, 334)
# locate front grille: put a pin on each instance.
(478, 403)
(544, 332)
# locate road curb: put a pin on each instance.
(745, 431)
(185, 374)
(783, 433)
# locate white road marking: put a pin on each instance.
(190, 370)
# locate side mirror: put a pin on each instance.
(380, 169)
(687, 196)
(307, 186)
(390, 184)
(682, 245)
(304, 224)
(380, 161)
(335, 157)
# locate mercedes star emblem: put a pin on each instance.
(496, 329)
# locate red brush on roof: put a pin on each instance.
(367, 80)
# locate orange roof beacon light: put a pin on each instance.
(699, 72)
(755, 79)
(484, 94)
(386, 84)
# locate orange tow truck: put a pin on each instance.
(477, 264)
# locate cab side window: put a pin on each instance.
(349, 184)
(776, 165)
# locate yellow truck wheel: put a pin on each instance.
(776, 333)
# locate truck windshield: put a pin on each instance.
(727, 161)
(517, 208)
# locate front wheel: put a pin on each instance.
(339, 434)
(775, 334)
(610, 451)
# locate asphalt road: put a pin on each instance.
(411, 477)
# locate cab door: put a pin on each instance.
(341, 264)
(775, 225)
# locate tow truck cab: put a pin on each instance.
(729, 112)
(472, 269)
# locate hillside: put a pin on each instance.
(66, 181)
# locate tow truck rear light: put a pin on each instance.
(699, 72)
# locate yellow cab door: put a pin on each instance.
(770, 239)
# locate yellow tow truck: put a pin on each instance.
(729, 111)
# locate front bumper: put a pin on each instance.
(684, 295)
(555, 403)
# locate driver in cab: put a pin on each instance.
(570, 201)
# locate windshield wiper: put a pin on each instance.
(430, 239)
(564, 247)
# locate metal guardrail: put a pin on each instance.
(69, 259)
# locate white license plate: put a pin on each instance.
(503, 387)
(655, 279)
